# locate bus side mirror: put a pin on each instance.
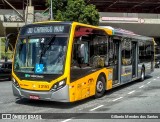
(6, 45)
(81, 54)
(7, 41)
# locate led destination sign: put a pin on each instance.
(45, 29)
(48, 29)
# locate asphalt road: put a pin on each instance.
(135, 97)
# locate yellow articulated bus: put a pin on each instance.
(71, 61)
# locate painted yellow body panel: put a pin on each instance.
(86, 86)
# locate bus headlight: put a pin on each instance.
(58, 85)
(15, 82)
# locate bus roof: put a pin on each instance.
(127, 33)
(49, 22)
(108, 29)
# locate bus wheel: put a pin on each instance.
(142, 74)
(100, 86)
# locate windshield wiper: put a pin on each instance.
(44, 49)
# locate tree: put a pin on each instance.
(75, 10)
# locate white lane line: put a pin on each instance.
(141, 86)
(149, 82)
(96, 108)
(154, 79)
(67, 120)
(117, 99)
(157, 77)
(131, 92)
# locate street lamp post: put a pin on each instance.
(0, 49)
(51, 11)
(30, 2)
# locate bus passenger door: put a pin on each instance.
(134, 59)
(116, 62)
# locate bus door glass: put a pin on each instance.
(126, 68)
(116, 60)
(134, 59)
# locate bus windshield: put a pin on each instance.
(44, 55)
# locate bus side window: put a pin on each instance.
(110, 52)
(126, 52)
(141, 51)
(90, 47)
(99, 51)
(80, 53)
(75, 55)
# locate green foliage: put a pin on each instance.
(3, 40)
(8, 54)
(75, 10)
(58, 5)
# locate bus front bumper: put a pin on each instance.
(61, 95)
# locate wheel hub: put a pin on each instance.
(99, 86)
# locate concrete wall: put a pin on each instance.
(11, 11)
(138, 15)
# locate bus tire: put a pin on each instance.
(100, 86)
(142, 74)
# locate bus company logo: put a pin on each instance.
(27, 75)
(6, 116)
(37, 76)
(33, 76)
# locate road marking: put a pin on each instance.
(154, 79)
(117, 99)
(96, 108)
(157, 77)
(131, 92)
(149, 82)
(67, 120)
(141, 86)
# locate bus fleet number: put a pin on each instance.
(44, 86)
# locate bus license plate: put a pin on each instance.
(34, 97)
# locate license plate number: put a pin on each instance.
(34, 97)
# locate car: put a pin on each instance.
(157, 60)
(5, 70)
